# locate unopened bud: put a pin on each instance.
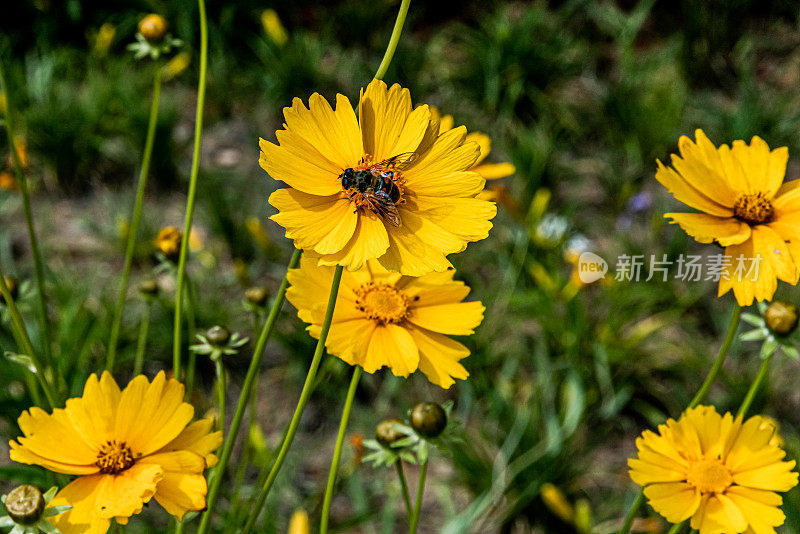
(257, 296)
(148, 287)
(781, 318)
(386, 433)
(153, 27)
(13, 287)
(218, 335)
(25, 504)
(428, 419)
(168, 241)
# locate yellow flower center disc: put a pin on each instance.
(114, 457)
(381, 302)
(753, 209)
(709, 476)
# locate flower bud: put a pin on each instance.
(428, 419)
(781, 318)
(218, 335)
(153, 27)
(257, 296)
(168, 241)
(148, 287)
(25, 504)
(13, 287)
(386, 433)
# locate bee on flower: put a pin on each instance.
(385, 185)
(386, 319)
(125, 446)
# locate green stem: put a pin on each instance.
(404, 487)
(18, 324)
(723, 352)
(634, 510)
(423, 472)
(133, 227)
(190, 200)
(241, 405)
(393, 40)
(305, 394)
(141, 343)
(676, 528)
(191, 306)
(733, 326)
(337, 451)
(221, 387)
(751, 393)
(22, 182)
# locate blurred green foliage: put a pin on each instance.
(581, 96)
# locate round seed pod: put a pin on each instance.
(218, 335)
(153, 27)
(428, 419)
(25, 504)
(257, 296)
(781, 318)
(386, 433)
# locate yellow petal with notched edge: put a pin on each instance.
(707, 228)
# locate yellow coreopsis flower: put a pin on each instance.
(385, 186)
(168, 241)
(722, 472)
(747, 208)
(490, 171)
(125, 446)
(386, 319)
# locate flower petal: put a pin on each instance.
(456, 319)
(392, 346)
(313, 221)
(297, 162)
(183, 487)
(707, 228)
(760, 508)
(369, 241)
(676, 501)
(409, 255)
(686, 192)
(440, 171)
(439, 356)
(198, 438)
(81, 494)
(387, 127)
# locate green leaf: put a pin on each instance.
(754, 335)
(21, 359)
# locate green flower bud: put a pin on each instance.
(257, 296)
(25, 504)
(218, 335)
(149, 287)
(428, 419)
(386, 433)
(781, 318)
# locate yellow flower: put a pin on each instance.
(105, 36)
(8, 182)
(176, 65)
(721, 472)
(125, 446)
(168, 241)
(747, 209)
(425, 208)
(490, 171)
(386, 319)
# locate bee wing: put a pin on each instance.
(398, 162)
(385, 207)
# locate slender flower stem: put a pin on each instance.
(337, 451)
(305, 394)
(22, 182)
(241, 404)
(733, 326)
(404, 487)
(191, 306)
(723, 353)
(141, 343)
(393, 40)
(133, 227)
(423, 472)
(751, 393)
(190, 200)
(221, 388)
(676, 528)
(27, 347)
